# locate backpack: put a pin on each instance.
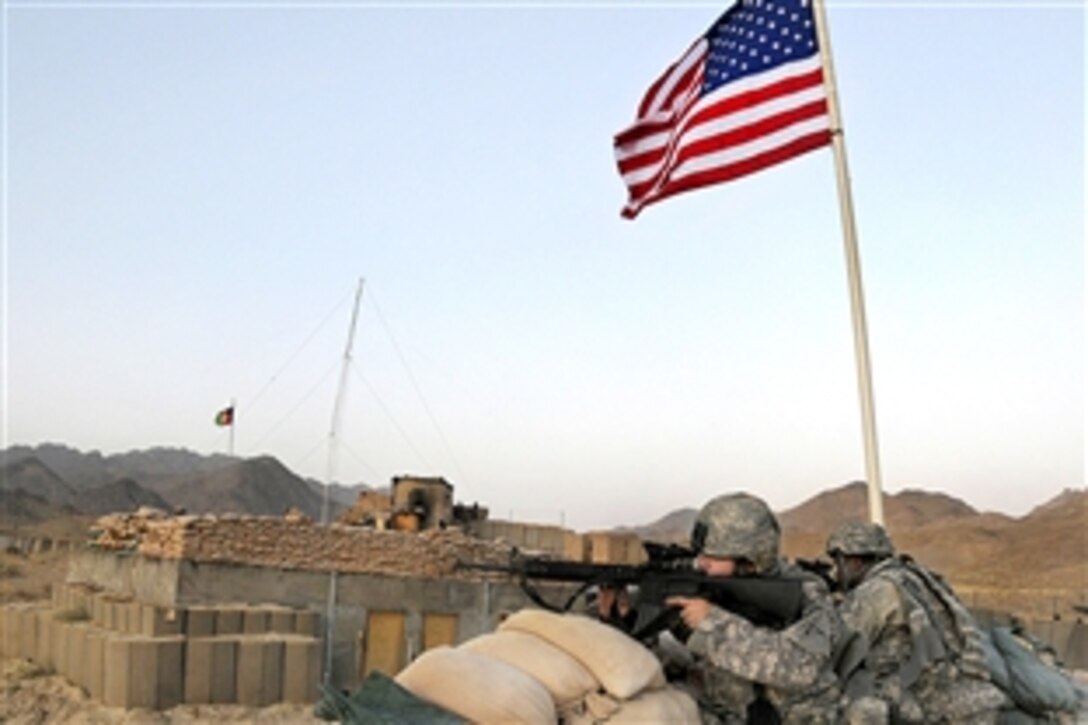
(1035, 687)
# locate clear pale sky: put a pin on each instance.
(192, 190)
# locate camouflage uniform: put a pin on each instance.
(736, 662)
(922, 657)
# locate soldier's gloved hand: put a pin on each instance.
(693, 610)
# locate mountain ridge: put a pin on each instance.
(65, 480)
(951, 531)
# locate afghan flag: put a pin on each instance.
(225, 416)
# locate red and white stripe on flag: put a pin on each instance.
(721, 112)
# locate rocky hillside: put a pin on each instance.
(906, 509)
(261, 486)
(31, 476)
(20, 507)
(122, 495)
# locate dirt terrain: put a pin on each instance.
(29, 695)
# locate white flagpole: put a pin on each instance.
(233, 417)
(853, 266)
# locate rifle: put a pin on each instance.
(821, 568)
(764, 601)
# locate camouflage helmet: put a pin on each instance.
(737, 526)
(857, 538)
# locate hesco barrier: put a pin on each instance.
(142, 632)
(130, 654)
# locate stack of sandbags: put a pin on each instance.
(631, 683)
(478, 688)
(545, 667)
(566, 680)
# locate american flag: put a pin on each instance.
(747, 95)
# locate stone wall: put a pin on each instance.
(294, 543)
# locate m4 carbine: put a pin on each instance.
(764, 601)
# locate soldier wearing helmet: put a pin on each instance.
(855, 547)
(918, 656)
(738, 671)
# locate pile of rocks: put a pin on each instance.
(295, 542)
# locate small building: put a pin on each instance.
(430, 499)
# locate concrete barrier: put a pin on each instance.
(75, 653)
(281, 620)
(260, 670)
(200, 621)
(156, 621)
(9, 641)
(210, 667)
(58, 642)
(301, 669)
(306, 623)
(228, 621)
(37, 642)
(255, 620)
(26, 628)
(94, 662)
(143, 672)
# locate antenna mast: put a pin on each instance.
(330, 470)
(338, 406)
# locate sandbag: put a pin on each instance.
(1034, 686)
(665, 705)
(622, 665)
(566, 679)
(595, 708)
(478, 688)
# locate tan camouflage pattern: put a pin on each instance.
(793, 666)
(924, 651)
(860, 538)
(741, 526)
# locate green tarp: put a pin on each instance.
(380, 701)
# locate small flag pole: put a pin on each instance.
(853, 265)
(233, 417)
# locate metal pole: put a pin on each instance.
(853, 266)
(337, 410)
(330, 471)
